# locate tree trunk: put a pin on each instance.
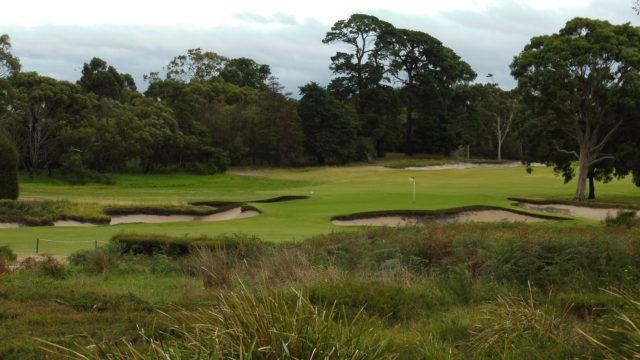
(583, 174)
(409, 131)
(499, 149)
(592, 188)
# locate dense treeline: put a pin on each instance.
(394, 90)
(401, 90)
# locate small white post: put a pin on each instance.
(413, 180)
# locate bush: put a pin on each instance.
(100, 261)
(241, 246)
(50, 267)
(73, 170)
(9, 157)
(623, 218)
(7, 254)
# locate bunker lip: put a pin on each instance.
(218, 204)
(282, 199)
(594, 212)
(466, 213)
(586, 204)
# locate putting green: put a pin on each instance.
(332, 190)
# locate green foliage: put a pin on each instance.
(46, 212)
(9, 64)
(329, 126)
(568, 78)
(7, 254)
(99, 261)
(622, 218)
(240, 245)
(73, 170)
(269, 326)
(105, 81)
(9, 188)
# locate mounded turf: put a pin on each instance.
(333, 191)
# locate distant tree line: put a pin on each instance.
(393, 90)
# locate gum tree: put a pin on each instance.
(579, 88)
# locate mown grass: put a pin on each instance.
(332, 190)
(489, 291)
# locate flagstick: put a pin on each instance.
(414, 190)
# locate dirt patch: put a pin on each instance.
(464, 166)
(446, 216)
(594, 213)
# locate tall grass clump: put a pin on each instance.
(621, 340)
(249, 325)
(99, 261)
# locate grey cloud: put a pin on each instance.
(487, 41)
(278, 18)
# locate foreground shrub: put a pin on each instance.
(50, 267)
(7, 254)
(622, 338)
(246, 325)
(241, 246)
(99, 261)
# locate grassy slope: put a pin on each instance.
(336, 191)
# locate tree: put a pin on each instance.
(8, 169)
(196, 64)
(579, 87)
(363, 67)
(245, 72)
(104, 81)
(328, 125)
(9, 64)
(501, 106)
(636, 6)
(429, 72)
(41, 106)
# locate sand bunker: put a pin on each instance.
(232, 214)
(575, 211)
(9, 225)
(463, 165)
(445, 217)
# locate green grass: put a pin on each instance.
(333, 190)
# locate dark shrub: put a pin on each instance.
(8, 169)
(7, 254)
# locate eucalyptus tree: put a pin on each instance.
(501, 107)
(580, 86)
(245, 72)
(105, 81)
(196, 64)
(9, 64)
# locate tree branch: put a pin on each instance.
(572, 152)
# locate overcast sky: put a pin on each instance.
(55, 38)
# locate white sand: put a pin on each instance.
(575, 211)
(74, 223)
(9, 225)
(465, 216)
(463, 166)
(232, 214)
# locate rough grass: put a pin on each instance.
(464, 291)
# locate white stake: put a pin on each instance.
(413, 180)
